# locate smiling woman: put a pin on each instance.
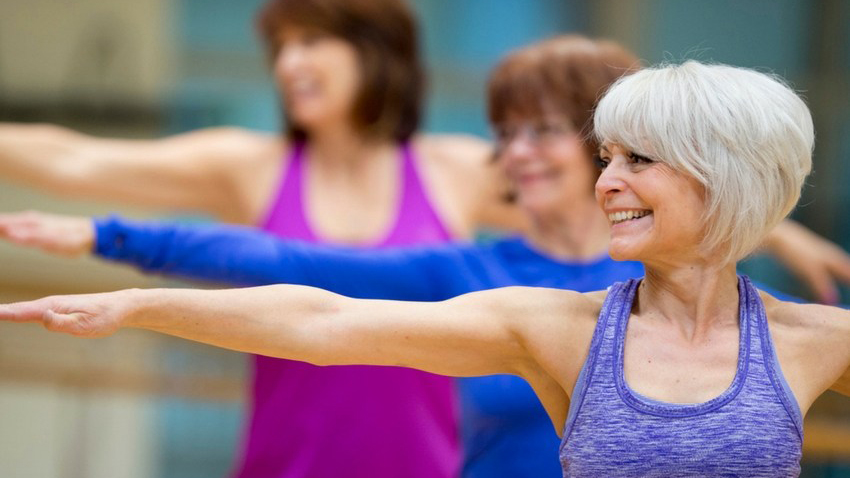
(736, 372)
(752, 167)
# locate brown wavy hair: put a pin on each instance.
(567, 74)
(385, 35)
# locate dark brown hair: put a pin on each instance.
(566, 75)
(384, 33)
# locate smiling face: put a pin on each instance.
(545, 162)
(656, 213)
(317, 74)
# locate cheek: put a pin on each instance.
(345, 71)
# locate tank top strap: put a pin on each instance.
(601, 354)
(286, 215)
(416, 221)
(765, 360)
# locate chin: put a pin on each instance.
(622, 252)
(539, 201)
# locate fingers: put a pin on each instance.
(58, 317)
(66, 235)
(32, 311)
(839, 264)
(821, 283)
(24, 228)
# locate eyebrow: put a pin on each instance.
(602, 147)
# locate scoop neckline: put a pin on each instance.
(662, 408)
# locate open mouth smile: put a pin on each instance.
(623, 216)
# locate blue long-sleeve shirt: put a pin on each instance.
(505, 430)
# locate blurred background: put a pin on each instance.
(139, 405)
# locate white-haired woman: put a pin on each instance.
(689, 371)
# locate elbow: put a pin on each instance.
(318, 335)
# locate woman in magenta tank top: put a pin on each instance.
(395, 421)
(351, 175)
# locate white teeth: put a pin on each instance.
(621, 216)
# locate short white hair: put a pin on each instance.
(744, 135)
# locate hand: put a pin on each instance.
(57, 234)
(89, 315)
(815, 260)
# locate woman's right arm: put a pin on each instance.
(188, 171)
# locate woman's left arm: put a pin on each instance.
(475, 334)
(816, 261)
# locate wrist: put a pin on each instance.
(139, 307)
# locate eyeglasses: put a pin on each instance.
(539, 134)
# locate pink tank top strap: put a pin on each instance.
(416, 221)
(286, 215)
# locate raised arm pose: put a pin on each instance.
(718, 374)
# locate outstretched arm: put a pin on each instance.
(191, 170)
(247, 257)
(479, 333)
(816, 261)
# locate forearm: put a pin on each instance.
(249, 257)
(319, 327)
(224, 254)
(291, 322)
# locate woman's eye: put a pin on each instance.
(600, 162)
(640, 159)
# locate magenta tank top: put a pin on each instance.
(350, 421)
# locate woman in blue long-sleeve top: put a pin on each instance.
(540, 100)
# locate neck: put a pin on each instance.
(696, 296)
(342, 146)
(578, 232)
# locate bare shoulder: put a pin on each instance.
(453, 148)
(238, 143)
(245, 166)
(471, 190)
(553, 319)
(812, 342)
(814, 320)
(556, 327)
(558, 302)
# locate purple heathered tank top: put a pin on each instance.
(753, 429)
(351, 421)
